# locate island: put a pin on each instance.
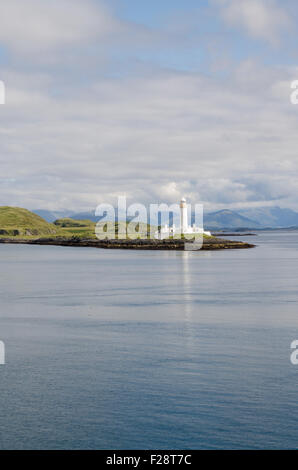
(20, 226)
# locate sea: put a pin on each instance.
(112, 349)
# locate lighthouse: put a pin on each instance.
(171, 231)
(183, 216)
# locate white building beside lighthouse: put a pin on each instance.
(184, 229)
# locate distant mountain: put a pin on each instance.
(51, 216)
(90, 216)
(214, 221)
(263, 217)
(272, 216)
(85, 216)
(226, 219)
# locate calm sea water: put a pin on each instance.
(124, 349)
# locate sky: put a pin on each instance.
(152, 100)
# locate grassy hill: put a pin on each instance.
(18, 222)
(15, 221)
(68, 227)
(86, 228)
(68, 222)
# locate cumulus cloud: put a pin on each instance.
(261, 19)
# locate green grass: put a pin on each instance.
(15, 221)
(86, 229)
(75, 228)
(67, 222)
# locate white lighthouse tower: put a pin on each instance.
(183, 216)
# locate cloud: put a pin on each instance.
(261, 19)
(74, 140)
(151, 138)
(30, 26)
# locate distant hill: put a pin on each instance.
(226, 219)
(17, 221)
(255, 218)
(51, 216)
(85, 216)
(89, 216)
(214, 221)
(68, 222)
(272, 216)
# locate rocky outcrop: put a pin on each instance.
(9, 233)
(209, 244)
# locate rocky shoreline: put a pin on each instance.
(209, 244)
